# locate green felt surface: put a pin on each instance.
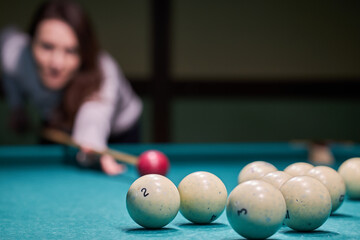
(41, 198)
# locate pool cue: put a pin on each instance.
(61, 137)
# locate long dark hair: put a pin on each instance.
(88, 78)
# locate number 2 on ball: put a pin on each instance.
(144, 192)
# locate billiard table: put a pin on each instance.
(44, 196)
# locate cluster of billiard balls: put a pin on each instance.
(301, 197)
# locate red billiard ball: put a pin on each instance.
(153, 162)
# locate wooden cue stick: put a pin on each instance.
(65, 139)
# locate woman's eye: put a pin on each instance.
(47, 46)
(72, 50)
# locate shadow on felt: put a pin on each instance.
(203, 226)
(315, 233)
(341, 215)
(145, 231)
(242, 238)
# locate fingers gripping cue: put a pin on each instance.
(65, 139)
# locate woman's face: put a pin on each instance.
(56, 51)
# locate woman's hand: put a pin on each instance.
(110, 166)
(87, 158)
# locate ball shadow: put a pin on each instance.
(150, 232)
(315, 233)
(242, 238)
(341, 215)
(208, 226)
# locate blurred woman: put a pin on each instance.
(74, 85)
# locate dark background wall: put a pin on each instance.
(284, 70)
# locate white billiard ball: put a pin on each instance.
(256, 209)
(255, 170)
(153, 201)
(203, 197)
(298, 169)
(277, 179)
(308, 203)
(350, 171)
(334, 183)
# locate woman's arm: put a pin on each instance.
(114, 108)
(93, 120)
(92, 124)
